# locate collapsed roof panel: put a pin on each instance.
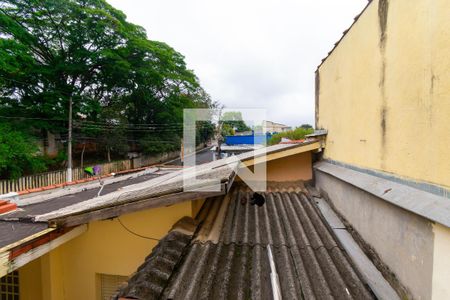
(164, 190)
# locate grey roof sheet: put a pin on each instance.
(318, 132)
(171, 183)
(71, 199)
(11, 232)
(13, 228)
(223, 169)
(228, 257)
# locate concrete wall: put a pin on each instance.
(383, 94)
(147, 160)
(403, 240)
(70, 271)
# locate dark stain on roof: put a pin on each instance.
(70, 199)
(15, 226)
(153, 275)
(228, 257)
(11, 232)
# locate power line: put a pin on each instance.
(129, 140)
(136, 234)
(155, 130)
(34, 118)
(176, 124)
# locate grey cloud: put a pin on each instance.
(252, 53)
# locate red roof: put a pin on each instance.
(293, 142)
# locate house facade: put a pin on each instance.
(273, 127)
(78, 246)
(359, 211)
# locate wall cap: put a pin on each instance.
(425, 204)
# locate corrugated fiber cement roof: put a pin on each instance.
(227, 258)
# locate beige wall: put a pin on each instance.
(290, 168)
(70, 271)
(384, 93)
(441, 257)
(197, 206)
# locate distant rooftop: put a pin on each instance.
(318, 132)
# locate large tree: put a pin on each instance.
(17, 154)
(85, 50)
(232, 122)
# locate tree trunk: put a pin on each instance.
(82, 155)
(109, 154)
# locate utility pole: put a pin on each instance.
(69, 144)
(182, 152)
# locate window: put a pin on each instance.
(109, 284)
(9, 286)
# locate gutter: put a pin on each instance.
(16, 255)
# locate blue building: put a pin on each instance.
(247, 139)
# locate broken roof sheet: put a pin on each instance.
(228, 257)
(164, 190)
(11, 232)
(15, 226)
(156, 190)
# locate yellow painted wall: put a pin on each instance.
(441, 263)
(386, 101)
(196, 206)
(70, 271)
(290, 168)
(52, 275)
(30, 281)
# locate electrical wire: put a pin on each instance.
(136, 234)
(128, 140)
(105, 124)
(33, 118)
(137, 130)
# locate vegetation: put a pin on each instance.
(306, 126)
(296, 134)
(17, 154)
(127, 91)
(232, 123)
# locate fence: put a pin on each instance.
(58, 177)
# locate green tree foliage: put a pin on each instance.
(233, 122)
(120, 81)
(18, 153)
(296, 134)
(227, 129)
(306, 126)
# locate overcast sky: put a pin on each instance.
(250, 53)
